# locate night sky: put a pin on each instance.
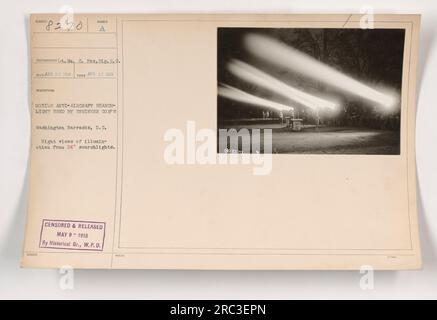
(373, 56)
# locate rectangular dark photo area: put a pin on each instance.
(309, 91)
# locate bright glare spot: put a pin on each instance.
(242, 96)
(289, 58)
(262, 79)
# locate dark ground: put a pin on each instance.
(335, 140)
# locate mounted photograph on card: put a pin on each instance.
(319, 90)
(237, 142)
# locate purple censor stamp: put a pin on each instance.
(72, 235)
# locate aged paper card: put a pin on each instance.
(223, 142)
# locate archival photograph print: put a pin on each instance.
(318, 91)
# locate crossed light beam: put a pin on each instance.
(260, 78)
(242, 96)
(284, 56)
